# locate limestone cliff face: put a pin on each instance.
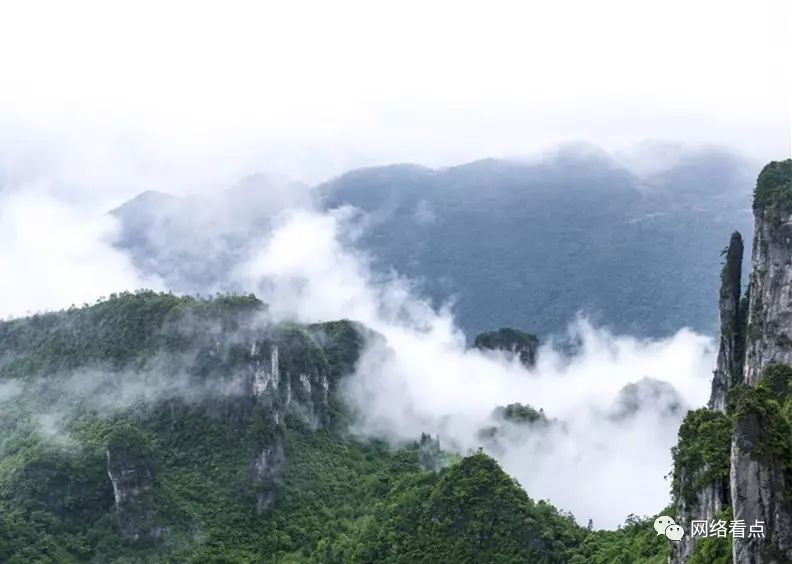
(729, 369)
(701, 470)
(747, 463)
(708, 502)
(269, 473)
(759, 478)
(700, 484)
(132, 476)
(769, 332)
(289, 376)
(761, 454)
(257, 382)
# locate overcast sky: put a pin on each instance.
(310, 88)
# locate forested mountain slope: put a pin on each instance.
(155, 428)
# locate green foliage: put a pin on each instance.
(714, 550)
(774, 188)
(116, 331)
(525, 345)
(520, 413)
(701, 455)
(732, 266)
(469, 512)
(636, 542)
(338, 500)
(776, 379)
(759, 416)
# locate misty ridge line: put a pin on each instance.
(60, 396)
(206, 230)
(421, 376)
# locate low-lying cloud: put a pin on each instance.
(608, 455)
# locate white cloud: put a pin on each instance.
(55, 253)
(423, 379)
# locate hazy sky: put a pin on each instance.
(310, 88)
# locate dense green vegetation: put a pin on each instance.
(758, 419)
(701, 456)
(195, 459)
(524, 345)
(520, 413)
(469, 512)
(712, 549)
(763, 416)
(635, 542)
(774, 188)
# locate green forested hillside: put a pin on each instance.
(155, 428)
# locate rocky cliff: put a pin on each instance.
(749, 408)
(729, 369)
(700, 485)
(769, 333)
(761, 452)
(760, 477)
(160, 390)
(129, 468)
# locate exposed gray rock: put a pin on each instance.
(729, 369)
(769, 332)
(710, 500)
(269, 473)
(700, 486)
(758, 492)
(132, 477)
(291, 375)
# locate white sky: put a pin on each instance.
(309, 88)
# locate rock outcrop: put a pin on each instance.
(131, 473)
(256, 381)
(524, 346)
(769, 332)
(289, 375)
(749, 407)
(760, 478)
(729, 369)
(269, 473)
(761, 454)
(700, 484)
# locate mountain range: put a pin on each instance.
(524, 243)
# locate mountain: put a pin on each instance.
(153, 428)
(532, 244)
(149, 427)
(734, 459)
(510, 243)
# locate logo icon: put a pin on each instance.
(665, 525)
(675, 532)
